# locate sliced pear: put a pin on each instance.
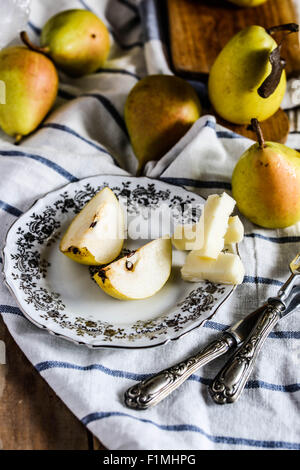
(96, 235)
(140, 274)
(235, 231)
(215, 217)
(227, 268)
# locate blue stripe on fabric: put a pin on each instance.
(291, 388)
(10, 209)
(123, 374)
(209, 324)
(196, 183)
(274, 334)
(66, 95)
(130, 6)
(274, 239)
(110, 108)
(34, 28)
(126, 47)
(85, 5)
(104, 101)
(261, 280)
(11, 309)
(43, 160)
(149, 18)
(210, 124)
(223, 134)
(41, 366)
(67, 129)
(192, 428)
(119, 71)
(228, 135)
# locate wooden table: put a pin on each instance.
(32, 417)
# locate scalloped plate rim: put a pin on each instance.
(11, 288)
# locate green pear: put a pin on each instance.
(31, 84)
(248, 3)
(247, 79)
(266, 183)
(159, 110)
(77, 41)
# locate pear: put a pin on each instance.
(96, 234)
(31, 84)
(159, 110)
(77, 41)
(266, 183)
(247, 79)
(138, 275)
(248, 3)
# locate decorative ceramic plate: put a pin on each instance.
(59, 295)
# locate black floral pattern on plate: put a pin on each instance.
(43, 229)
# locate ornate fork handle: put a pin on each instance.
(151, 391)
(230, 382)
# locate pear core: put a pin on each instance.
(96, 234)
(140, 275)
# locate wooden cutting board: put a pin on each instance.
(199, 29)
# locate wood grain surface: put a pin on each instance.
(275, 129)
(32, 417)
(199, 29)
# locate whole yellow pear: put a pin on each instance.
(237, 74)
(159, 110)
(31, 84)
(248, 3)
(266, 184)
(77, 41)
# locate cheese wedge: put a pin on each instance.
(191, 236)
(226, 269)
(215, 221)
(235, 231)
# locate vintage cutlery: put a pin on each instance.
(230, 382)
(151, 391)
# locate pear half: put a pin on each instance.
(96, 234)
(140, 274)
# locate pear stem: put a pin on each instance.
(257, 129)
(289, 28)
(18, 139)
(31, 46)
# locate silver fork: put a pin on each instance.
(230, 382)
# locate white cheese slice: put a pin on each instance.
(227, 268)
(215, 220)
(235, 231)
